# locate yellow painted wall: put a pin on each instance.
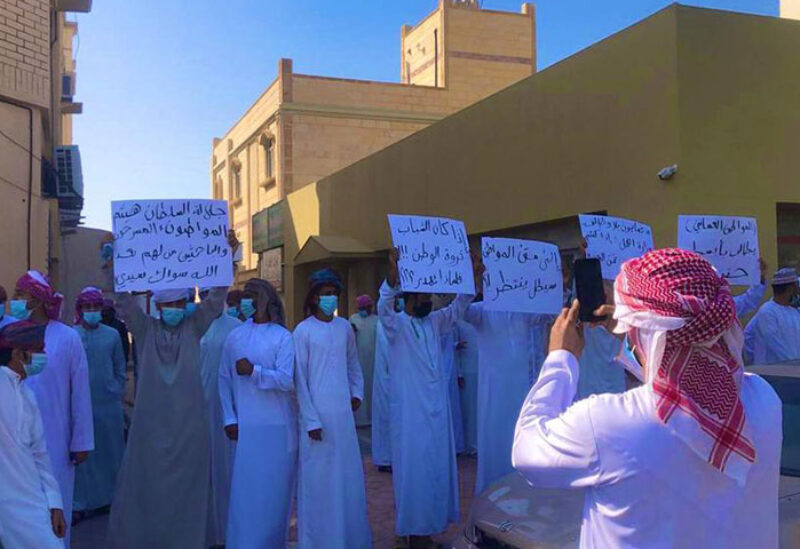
(14, 170)
(740, 119)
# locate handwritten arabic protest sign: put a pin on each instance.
(434, 254)
(521, 276)
(614, 240)
(729, 243)
(169, 244)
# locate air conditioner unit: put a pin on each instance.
(67, 86)
(70, 175)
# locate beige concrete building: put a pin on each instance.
(305, 127)
(40, 186)
(790, 9)
(588, 134)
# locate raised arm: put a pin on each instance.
(554, 444)
(474, 314)
(387, 296)
(81, 401)
(388, 317)
(308, 412)
(120, 364)
(446, 318)
(209, 310)
(749, 301)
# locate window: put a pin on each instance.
(268, 153)
(268, 146)
(236, 181)
(788, 217)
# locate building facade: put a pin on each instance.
(713, 92)
(40, 187)
(306, 127)
(790, 9)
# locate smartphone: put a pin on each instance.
(589, 288)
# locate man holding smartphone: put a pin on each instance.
(689, 459)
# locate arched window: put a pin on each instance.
(268, 146)
(236, 179)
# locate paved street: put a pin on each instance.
(91, 534)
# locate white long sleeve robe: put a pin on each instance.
(451, 369)
(96, 480)
(381, 395)
(644, 486)
(64, 398)
(468, 367)
(221, 448)
(511, 350)
(425, 474)
(773, 334)
(263, 406)
(331, 497)
(28, 489)
(748, 301)
(365, 341)
(162, 491)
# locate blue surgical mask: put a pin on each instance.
(191, 307)
(92, 318)
(328, 304)
(19, 309)
(233, 312)
(2, 310)
(172, 316)
(363, 313)
(247, 307)
(37, 365)
(629, 361)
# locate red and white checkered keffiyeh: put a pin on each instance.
(679, 312)
(35, 283)
(89, 296)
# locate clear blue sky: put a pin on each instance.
(160, 78)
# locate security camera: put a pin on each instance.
(668, 172)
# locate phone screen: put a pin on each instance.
(589, 288)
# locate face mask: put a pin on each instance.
(2, 310)
(328, 304)
(247, 307)
(37, 365)
(421, 310)
(363, 313)
(400, 304)
(172, 316)
(191, 307)
(629, 361)
(233, 312)
(19, 309)
(92, 318)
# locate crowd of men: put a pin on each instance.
(235, 417)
